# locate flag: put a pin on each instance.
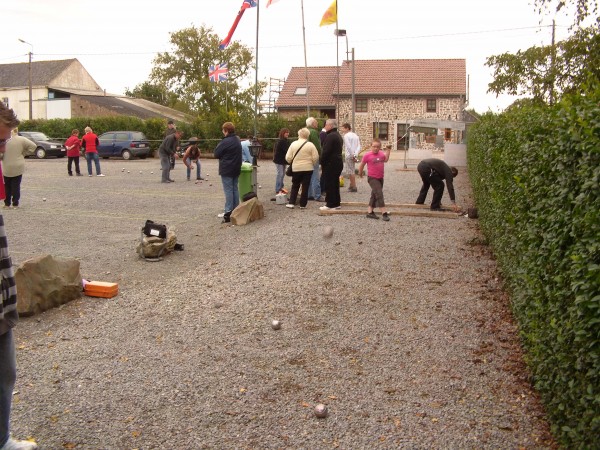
(330, 15)
(218, 72)
(245, 5)
(270, 2)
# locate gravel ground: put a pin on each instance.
(401, 328)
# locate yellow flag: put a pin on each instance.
(330, 15)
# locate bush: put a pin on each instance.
(536, 180)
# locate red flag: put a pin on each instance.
(270, 2)
(245, 5)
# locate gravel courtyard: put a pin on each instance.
(401, 328)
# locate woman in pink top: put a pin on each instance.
(73, 146)
(375, 160)
(90, 143)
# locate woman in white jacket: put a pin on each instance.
(303, 156)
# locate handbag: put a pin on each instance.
(289, 170)
(155, 229)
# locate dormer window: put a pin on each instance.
(301, 91)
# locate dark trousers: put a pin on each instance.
(430, 178)
(300, 179)
(331, 178)
(376, 199)
(12, 186)
(73, 159)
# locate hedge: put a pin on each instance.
(535, 173)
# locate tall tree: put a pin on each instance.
(543, 73)
(154, 93)
(184, 71)
(583, 8)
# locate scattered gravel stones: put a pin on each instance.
(402, 329)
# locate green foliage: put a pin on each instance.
(582, 8)
(545, 73)
(184, 73)
(535, 173)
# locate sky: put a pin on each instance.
(117, 40)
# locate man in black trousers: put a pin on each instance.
(434, 172)
(332, 165)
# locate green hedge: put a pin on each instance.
(535, 173)
(208, 130)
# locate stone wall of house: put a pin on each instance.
(397, 110)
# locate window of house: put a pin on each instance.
(431, 105)
(381, 130)
(448, 134)
(300, 91)
(5, 101)
(361, 105)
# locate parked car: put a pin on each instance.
(44, 145)
(125, 144)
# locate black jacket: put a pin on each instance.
(331, 158)
(281, 148)
(229, 154)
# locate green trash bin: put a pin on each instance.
(245, 180)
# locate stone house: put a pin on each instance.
(64, 89)
(408, 103)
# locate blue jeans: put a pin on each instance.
(280, 168)
(314, 190)
(93, 156)
(8, 375)
(189, 172)
(232, 194)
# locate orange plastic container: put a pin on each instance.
(101, 289)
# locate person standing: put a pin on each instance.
(246, 154)
(167, 150)
(331, 161)
(191, 156)
(13, 162)
(434, 172)
(229, 154)
(375, 161)
(352, 146)
(90, 143)
(8, 309)
(279, 152)
(73, 146)
(171, 128)
(303, 156)
(314, 191)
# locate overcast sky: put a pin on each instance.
(116, 40)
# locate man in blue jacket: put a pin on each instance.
(229, 154)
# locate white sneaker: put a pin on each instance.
(325, 208)
(289, 206)
(220, 216)
(11, 444)
(101, 175)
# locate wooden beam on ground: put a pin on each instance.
(436, 214)
(390, 205)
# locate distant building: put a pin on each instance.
(64, 89)
(404, 102)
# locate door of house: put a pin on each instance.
(401, 136)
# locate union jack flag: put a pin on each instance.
(249, 4)
(218, 72)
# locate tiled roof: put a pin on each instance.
(127, 106)
(42, 73)
(321, 81)
(376, 78)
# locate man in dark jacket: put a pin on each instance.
(229, 154)
(168, 149)
(433, 172)
(332, 164)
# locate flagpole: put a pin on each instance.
(256, 72)
(305, 61)
(337, 61)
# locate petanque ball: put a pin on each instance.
(321, 411)
(328, 232)
(276, 324)
(44, 199)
